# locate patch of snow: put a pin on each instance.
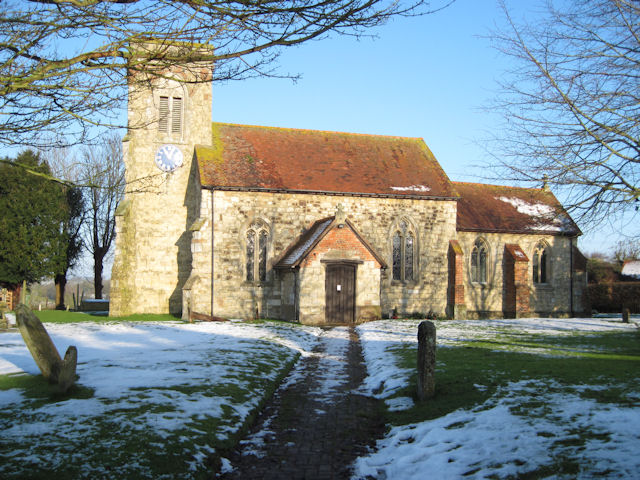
(399, 403)
(331, 371)
(494, 441)
(412, 188)
(497, 439)
(226, 466)
(631, 268)
(131, 367)
(545, 216)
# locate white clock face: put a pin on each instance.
(168, 158)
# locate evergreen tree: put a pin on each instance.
(33, 211)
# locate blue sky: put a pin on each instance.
(427, 77)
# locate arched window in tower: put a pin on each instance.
(403, 252)
(541, 263)
(256, 252)
(479, 255)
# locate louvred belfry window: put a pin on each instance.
(170, 114)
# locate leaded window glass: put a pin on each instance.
(408, 257)
(403, 252)
(251, 248)
(540, 264)
(397, 257)
(257, 247)
(479, 255)
(262, 257)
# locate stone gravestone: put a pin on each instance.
(426, 360)
(625, 315)
(57, 371)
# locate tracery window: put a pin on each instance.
(479, 255)
(256, 242)
(540, 263)
(403, 252)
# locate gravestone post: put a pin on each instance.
(625, 315)
(426, 360)
(57, 371)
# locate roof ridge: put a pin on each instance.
(457, 182)
(311, 130)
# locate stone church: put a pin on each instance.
(240, 221)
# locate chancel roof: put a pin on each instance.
(281, 159)
(495, 208)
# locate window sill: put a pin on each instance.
(403, 283)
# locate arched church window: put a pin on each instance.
(256, 243)
(403, 252)
(479, 255)
(541, 263)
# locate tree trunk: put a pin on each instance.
(60, 281)
(98, 257)
(16, 291)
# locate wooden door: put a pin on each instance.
(340, 288)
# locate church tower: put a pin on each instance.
(169, 112)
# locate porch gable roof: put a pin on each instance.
(295, 254)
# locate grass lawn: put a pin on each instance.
(153, 399)
(513, 400)
(62, 316)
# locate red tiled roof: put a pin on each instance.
(494, 208)
(252, 157)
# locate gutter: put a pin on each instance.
(337, 194)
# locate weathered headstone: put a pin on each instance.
(67, 374)
(44, 352)
(625, 315)
(426, 360)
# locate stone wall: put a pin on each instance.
(153, 241)
(488, 300)
(287, 216)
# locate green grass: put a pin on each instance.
(121, 439)
(62, 316)
(611, 359)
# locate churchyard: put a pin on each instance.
(158, 398)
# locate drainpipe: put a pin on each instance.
(212, 249)
(296, 293)
(571, 277)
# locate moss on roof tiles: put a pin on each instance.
(245, 156)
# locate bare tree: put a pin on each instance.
(625, 250)
(64, 63)
(103, 175)
(63, 166)
(572, 104)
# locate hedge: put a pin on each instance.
(613, 297)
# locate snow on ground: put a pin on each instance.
(330, 373)
(492, 440)
(332, 364)
(133, 366)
